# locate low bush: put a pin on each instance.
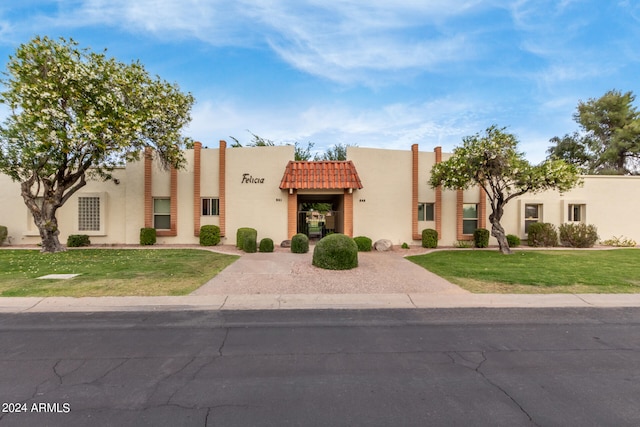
(336, 252)
(250, 244)
(513, 240)
(542, 234)
(578, 235)
(481, 238)
(300, 244)
(78, 240)
(429, 238)
(405, 246)
(463, 244)
(147, 236)
(364, 243)
(620, 242)
(266, 245)
(241, 233)
(3, 234)
(209, 235)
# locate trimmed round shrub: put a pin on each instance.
(250, 245)
(266, 245)
(336, 252)
(147, 236)
(542, 234)
(78, 240)
(209, 235)
(242, 233)
(405, 246)
(364, 243)
(300, 244)
(481, 238)
(513, 240)
(429, 238)
(578, 235)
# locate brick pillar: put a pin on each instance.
(222, 168)
(197, 147)
(148, 190)
(482, 208)
(438, 207)
(414, 193)
(174, 202)
(459, 215)
(348, 212)
(292, 213)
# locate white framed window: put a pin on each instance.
(210, 206)
(469, 218)
(426, 211)
(532, 214)
(576, 212)
(162, 213)
(89, 218)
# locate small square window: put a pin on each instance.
(210, 206)
(532, 214)
(576, 213)
(426, 212)
(88, 213)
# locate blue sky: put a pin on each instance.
(372, 73)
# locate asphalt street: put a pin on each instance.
(433, 367)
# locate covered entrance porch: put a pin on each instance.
(320, 197)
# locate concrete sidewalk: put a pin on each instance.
(312, 301)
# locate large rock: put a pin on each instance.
(285, 244)
(383, 245)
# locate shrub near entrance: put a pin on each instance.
(300, 244)
(336, 252)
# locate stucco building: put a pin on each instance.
(378, 193)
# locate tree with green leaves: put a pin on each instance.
(74, 115)
(610, 140)
(491, 160)
(335, 152)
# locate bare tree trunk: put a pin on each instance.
(498, 232)
(49, 234)
(44, 216)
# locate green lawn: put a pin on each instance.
(109, 272)
(527, 271)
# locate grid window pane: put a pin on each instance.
(89, 213)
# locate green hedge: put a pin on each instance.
(513, 240)
(429, 238)
(250, 245)
(147, 236)
(242, 233)
(300, 244)
(481, 238)
(266, 245)
(336, 252)
(209, 235)
(78, 240)
(3, 234)
(542, 234)
(578, 235)
(364, 243)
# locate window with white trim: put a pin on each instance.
(162, 213)
(210, 206)
(576, 212)
(88, 213)
(469, 218)
(532, 214)
(426, 211)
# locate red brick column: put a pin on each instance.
(482, 208)
(459, 215)
(197, 147)
(222, 170)
(438, 207)
(348, 212)
(414, 193)
(148, 190)
(292, 213)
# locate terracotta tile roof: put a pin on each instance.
(320, 175)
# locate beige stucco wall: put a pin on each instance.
(260, 205)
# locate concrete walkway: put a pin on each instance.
(282, 280)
